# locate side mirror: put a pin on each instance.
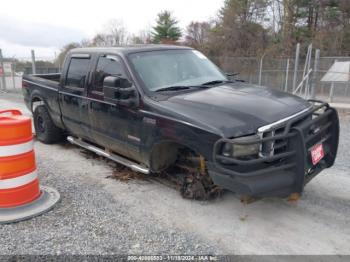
(119, 91)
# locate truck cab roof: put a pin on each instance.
(127, 49)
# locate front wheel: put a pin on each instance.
(45, 129)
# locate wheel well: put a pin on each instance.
(36, 101)
(165, 154)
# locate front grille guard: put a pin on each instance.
(299, 141)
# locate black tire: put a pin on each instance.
(45, 129)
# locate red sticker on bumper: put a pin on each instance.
(317, 153)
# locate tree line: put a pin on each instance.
(245, 28)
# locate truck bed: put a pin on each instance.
(53, 77)
(43, 80)
(43, 87)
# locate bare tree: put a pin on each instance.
(197, 34)
(85, 42)
(247, 28)
(101, 39)
(143, 37)
(115, 34)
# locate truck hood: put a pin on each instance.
(234, 109)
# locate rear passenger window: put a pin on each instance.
(77, 71)
(107, 66)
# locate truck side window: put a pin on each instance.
(107, 66)
(77, 71)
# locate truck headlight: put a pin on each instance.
(241, 150)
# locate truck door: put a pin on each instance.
(110, 124)
(72, 95)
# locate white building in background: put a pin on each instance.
(338, 75)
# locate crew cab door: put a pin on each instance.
(110, 124)
(72, 95)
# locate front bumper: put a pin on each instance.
(289, 168)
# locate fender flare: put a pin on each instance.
(36, 97)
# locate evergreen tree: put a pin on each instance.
(166, 29)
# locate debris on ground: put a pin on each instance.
(124, 174)
(188, 176)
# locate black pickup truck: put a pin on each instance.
(147, 106)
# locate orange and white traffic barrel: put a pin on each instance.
(21, 197)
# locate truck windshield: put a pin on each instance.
(162, 69)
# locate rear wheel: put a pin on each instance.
(45, 129)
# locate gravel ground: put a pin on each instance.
(98, 215)
(88, 220)
(343, 157)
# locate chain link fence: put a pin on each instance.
(12, 69)
(278, 73)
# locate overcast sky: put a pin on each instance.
(47, 25)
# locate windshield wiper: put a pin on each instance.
(204, 85)
(173, 88)
(214, 82)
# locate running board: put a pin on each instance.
(121, 160)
